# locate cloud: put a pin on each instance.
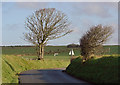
(76, 30)
(115, 36)
(94, 9)
(100, 9)
(32, 5)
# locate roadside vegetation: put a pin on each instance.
(12, 65)
(97, 70)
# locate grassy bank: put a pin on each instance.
(12, 65)
(101, 70)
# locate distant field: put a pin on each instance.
(30, 52)
(50, 50)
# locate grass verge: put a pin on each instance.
(13, 65)
(96, 71)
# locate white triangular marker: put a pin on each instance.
(71, 52)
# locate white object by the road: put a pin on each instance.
(55, 54)
(71, 52)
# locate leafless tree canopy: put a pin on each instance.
(93, 40)
(46, 24)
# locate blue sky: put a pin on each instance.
(82, 16)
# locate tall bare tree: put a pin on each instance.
(46, 24)
(93, 40)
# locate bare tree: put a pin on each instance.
(46, 24)
(93, 40)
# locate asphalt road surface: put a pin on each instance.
(47, 76)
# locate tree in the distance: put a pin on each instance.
(93, 40)
(44, 25)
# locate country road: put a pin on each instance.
(47, 76)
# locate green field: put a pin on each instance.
(97, 70)
(30, 52)
(50, 50)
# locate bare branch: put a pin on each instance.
(46, 24)
(93, 40)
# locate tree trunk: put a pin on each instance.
(41, 52)
(84, 59)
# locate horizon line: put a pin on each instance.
(52, 45)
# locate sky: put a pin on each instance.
(82, 16)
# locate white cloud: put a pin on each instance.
(76, 30)
(32, 5)
(95, 9)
